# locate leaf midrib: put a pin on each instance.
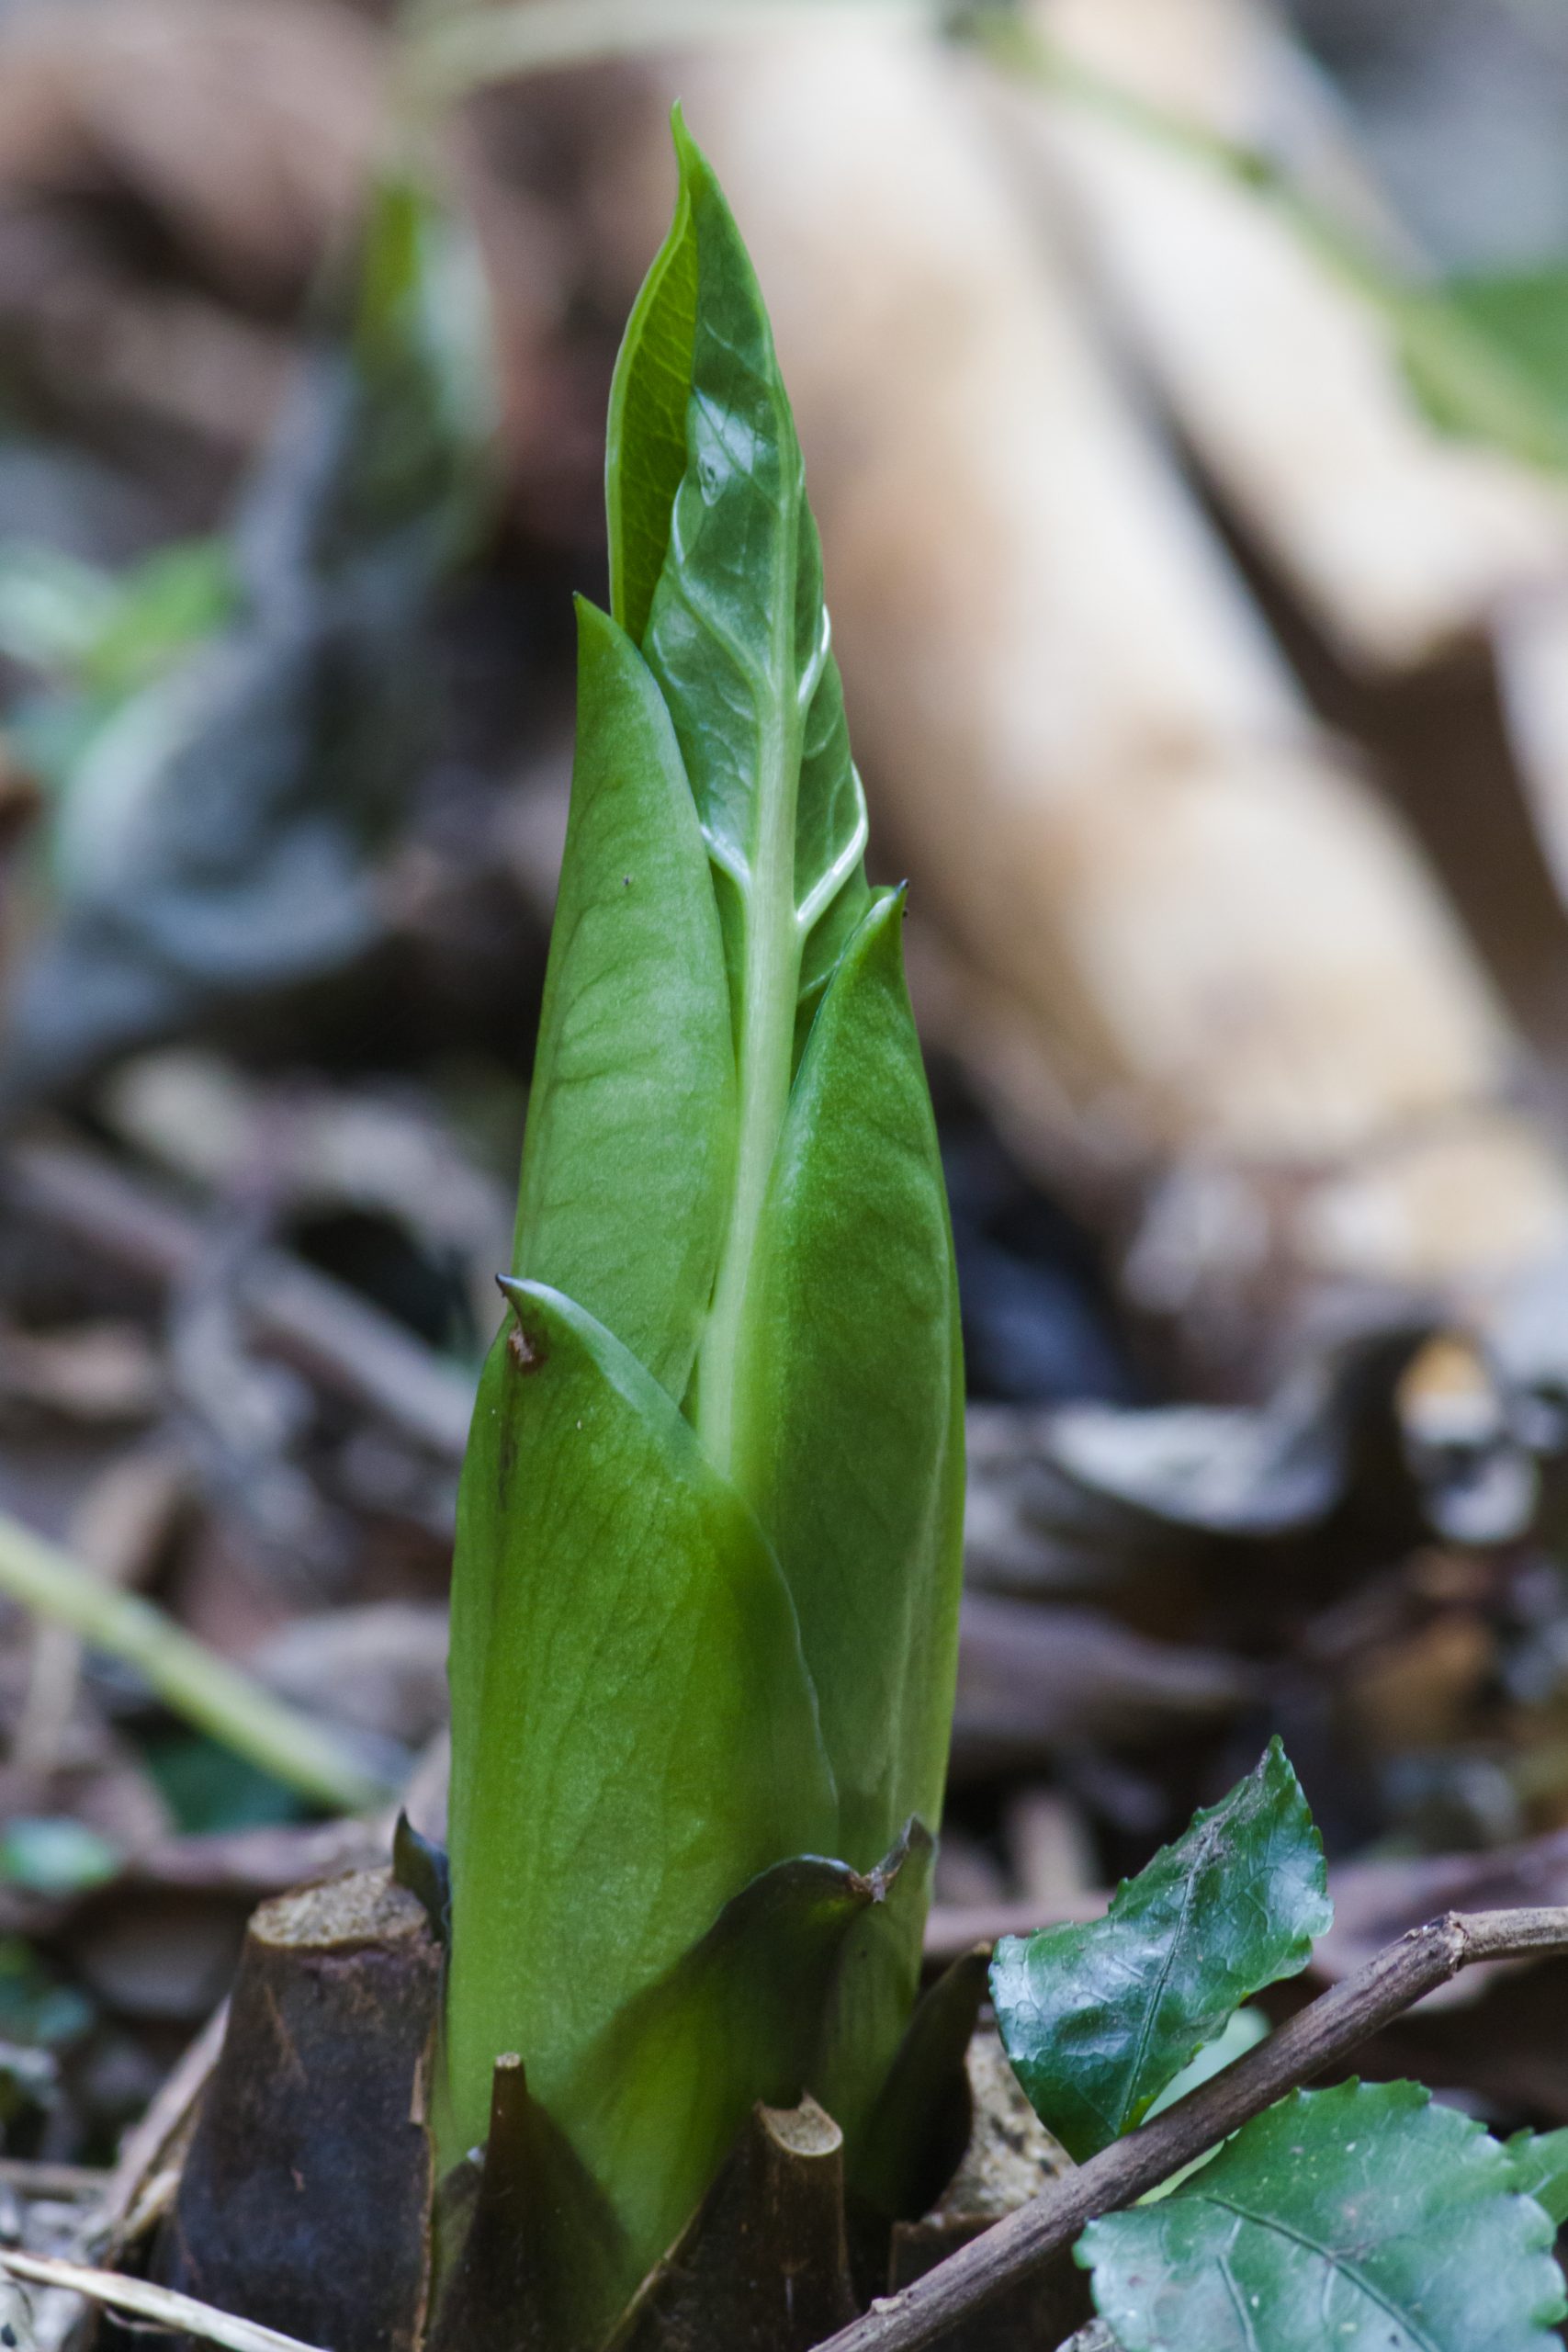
(769, 985)
(1206, 1843)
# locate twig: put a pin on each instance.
(321, 1327)
(189, 1678)
(36, 2176)
(1315, 2039)
(143, 2301)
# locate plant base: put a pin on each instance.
(307, 2197)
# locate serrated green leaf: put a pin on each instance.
(628, 1157)
(1540, 2170)
(1363, 2219)
(624, 1660)
(1097, 2019)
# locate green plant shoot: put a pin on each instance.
(705, 1601)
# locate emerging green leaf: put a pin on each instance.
(707, 1582)
(1097, 2019)
(631, 1118)
(737, 636)
(633, 1663)
(1362, 2217)
(852, 1288)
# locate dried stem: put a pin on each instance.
(1319, 2037)
(141, 2300)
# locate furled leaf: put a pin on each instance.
(1540, 2170)
(827, 1380)
(625, 1661)
(853, 1436)
(1362, 2217)
(1098, 2019)
(737, 636)
(627, 1165)
(650, 2109)
(707, 1567)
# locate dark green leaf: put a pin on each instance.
(1524, 314)
(1540, 2170)
(913, 2141)
(421, 1865)
(34, 2007)
(634, 1730)
(1097, 2019)
(1362, 2217)
(631, 1120)
(207, 1787)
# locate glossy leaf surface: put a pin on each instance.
(632, 1663)
(1097, 2019)
(631, 1116)
(1362, 2217)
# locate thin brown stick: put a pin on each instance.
(1317, 2037)
(324, 1330)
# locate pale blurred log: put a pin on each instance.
(1531, 644)
(1177, 929)
(1285, 375)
